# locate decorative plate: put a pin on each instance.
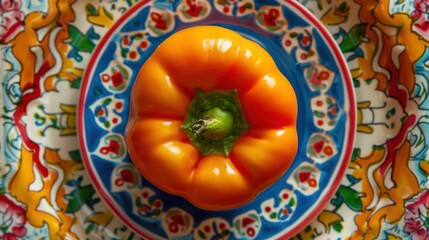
(305, 53)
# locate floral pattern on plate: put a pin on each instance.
(384, 42)
(290, 42)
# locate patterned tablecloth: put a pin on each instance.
(45, 192)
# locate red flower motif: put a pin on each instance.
(416, 216)
(10, 5)
(11, 19)
(12, 219)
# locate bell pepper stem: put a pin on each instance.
(215, 124)
(215, 121)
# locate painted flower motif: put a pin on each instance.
(178, 223)
(193, 10)
(234, 7)
(270, 18)
(124, 178)
(12, 219)
(420, 18)
(416, 216)
(10, 5)
(421, 6)
(149, 204)
(107, 112)
(11, 19)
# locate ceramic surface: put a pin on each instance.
(326, 118)
(46, 193)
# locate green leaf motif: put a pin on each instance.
(74, 205)
(343, 7)
(356, 83)
(356, 153)
(107, 101)
(107, 124)
(201, 234)
(80, 196)
(124, 52)
(337, 227)
(76, 83)
(426, 223)
(75, 155)
(319, 114)
(90, 228)
(292, 202)
(156, 212)
(97, 92)
(225, 232)
(237, 226)
(138, 202)
(350, 197)
(90, 9)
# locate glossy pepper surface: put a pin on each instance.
(209, 62)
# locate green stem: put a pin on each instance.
(215, 121)
(215, 124)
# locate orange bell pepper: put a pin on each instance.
(212, 118)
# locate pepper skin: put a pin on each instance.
(210, 58)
